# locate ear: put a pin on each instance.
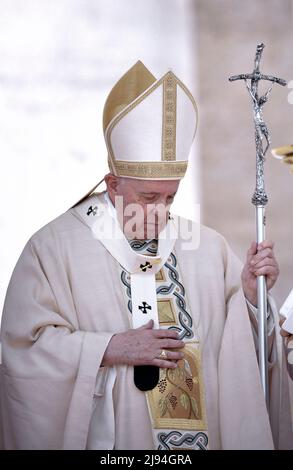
(112, 184)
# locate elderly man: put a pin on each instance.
(116, 332)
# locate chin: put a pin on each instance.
(151, 233)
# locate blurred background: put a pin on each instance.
(60, 58)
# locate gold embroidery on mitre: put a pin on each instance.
(150, 169)
(169, 118)
(177, 402)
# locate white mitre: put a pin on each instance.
(149, 126)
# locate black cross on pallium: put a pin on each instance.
(145, 266)
(93, 210)
(144, 307)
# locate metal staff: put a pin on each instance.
(259, 198)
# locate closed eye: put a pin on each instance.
(153, 197)
(149, 197)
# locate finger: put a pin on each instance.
(164, 364)
(171, 344)
(161, 333)
(265, 244)
(171, 355)
(264, 262)
(147, 326)
(252, 250)
(267, 271)
(265, 253)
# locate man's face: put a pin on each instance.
(142, 206)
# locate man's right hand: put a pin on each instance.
(142, 346)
